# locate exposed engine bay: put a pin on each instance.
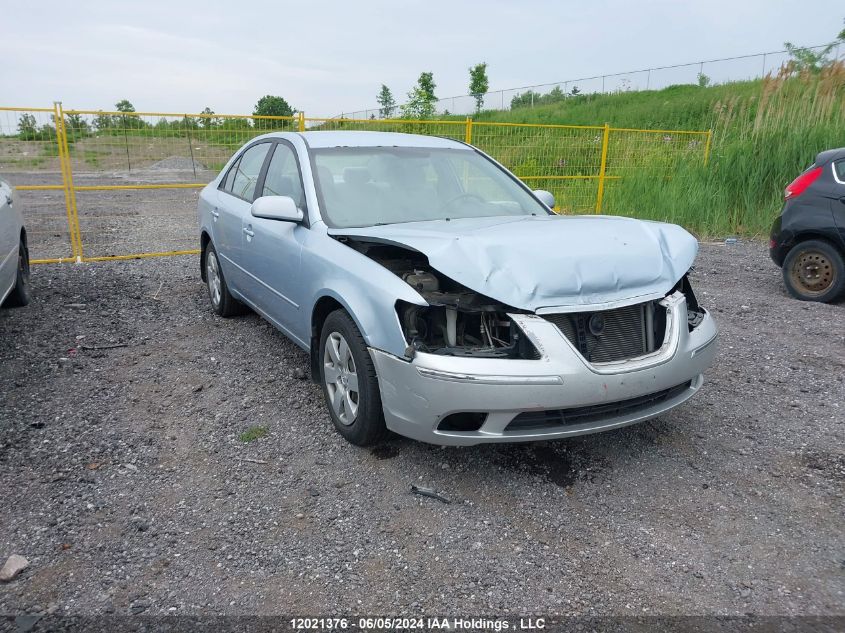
(457, 321)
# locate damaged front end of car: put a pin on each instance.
(456, 321)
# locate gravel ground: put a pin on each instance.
(122, 222)
(125, 481)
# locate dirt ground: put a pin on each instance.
(126, 482)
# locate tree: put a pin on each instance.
(124, 106)
(703, 80)
(526, 99)
(386, 101)
(813, 61)
(208, 122)
(554, 95)
(575, 91)
(478, 84)
(27, 127)
(421, 99)
(103, 122)
(270, 105)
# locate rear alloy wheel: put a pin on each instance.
(348, 377)
(223, 303)
(20, 295)
(814, 271)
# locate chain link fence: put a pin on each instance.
(712, 71)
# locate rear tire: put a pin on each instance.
(20, 295)
(814, 271)
(222, 302)
(350, 385)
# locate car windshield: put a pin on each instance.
(365, 186)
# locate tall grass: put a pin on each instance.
(764, 133)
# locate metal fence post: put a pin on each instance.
(468, 133)
(57, 117)
(707, 146)
(301, 121)
(70, 191)
(190, 144)
(603, 167)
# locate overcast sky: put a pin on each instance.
(328, 57)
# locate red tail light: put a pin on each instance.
(797, 186)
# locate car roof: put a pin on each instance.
(829, 154)
(321, 139)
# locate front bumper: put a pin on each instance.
(419, 394)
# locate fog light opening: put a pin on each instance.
(465, 421)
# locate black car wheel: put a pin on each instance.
(20, 295)
(814, 271)
(348, 377)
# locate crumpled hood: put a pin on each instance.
(549, 261)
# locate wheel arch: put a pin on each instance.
(806, 236)
(325, 304)
(205, 240)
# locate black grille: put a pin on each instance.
(609, 335)
(593, 413)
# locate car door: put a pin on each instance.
(234, 201)
(272, 248)
(837, 201)
(9, 236)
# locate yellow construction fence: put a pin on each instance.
(98, 185)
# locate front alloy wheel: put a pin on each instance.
(341, 378)
(348, 377)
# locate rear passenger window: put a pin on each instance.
(839, 170)
(246, 172)
(283, 177)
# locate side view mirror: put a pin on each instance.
(277, 208)
(545, 197)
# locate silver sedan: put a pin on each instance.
(440, 298)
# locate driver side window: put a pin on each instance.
(283, 177)
(243, 176)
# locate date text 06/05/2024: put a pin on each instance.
(422, 624)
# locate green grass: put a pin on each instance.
(765, 133)
(253, 433)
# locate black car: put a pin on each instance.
(808, 238)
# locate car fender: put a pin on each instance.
(365, 289)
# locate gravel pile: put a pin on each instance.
(126, 483)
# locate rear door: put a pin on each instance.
(234, 201)
(272, 248)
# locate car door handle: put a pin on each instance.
(215, 213)
(249, 232)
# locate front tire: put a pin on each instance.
(20, 294)
(814, 271)
(348, 378)
(222, 302)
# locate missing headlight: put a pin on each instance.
(461, 326)
(695, 313)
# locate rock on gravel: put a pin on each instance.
(13, 566)
(730, 504)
